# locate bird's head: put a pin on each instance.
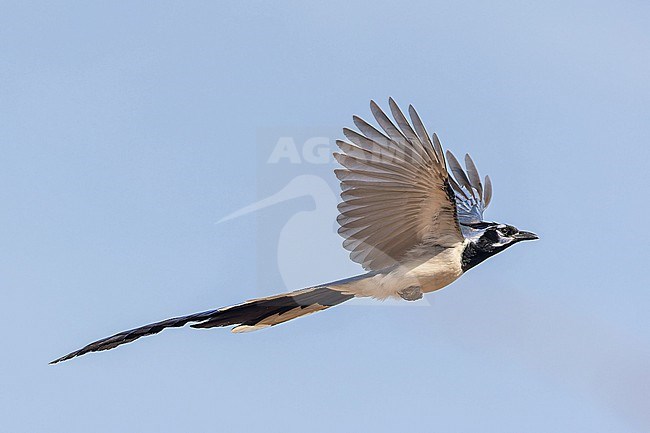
(489, 239)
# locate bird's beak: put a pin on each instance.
(526, 236)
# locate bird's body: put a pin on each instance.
(405, 219)
(427, 270)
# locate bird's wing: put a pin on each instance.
(395, 189)
(472, 196)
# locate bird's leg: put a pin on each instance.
(411, 293)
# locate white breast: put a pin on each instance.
(429, 272)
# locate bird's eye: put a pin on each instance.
(507, 231)
(491, 235)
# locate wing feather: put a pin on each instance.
(488, 191)
(404, 125)
(437, 147)
(395, 188)
(472, 196)
(423, 135)
(457, 189)
(474, 178)
(459, 173)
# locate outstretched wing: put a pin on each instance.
(472, 197)
(395, 189)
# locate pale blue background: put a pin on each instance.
(127, 131)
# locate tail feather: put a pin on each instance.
(249, 316)
(262, 310)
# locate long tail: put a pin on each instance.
(248, 316)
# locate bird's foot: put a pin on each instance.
(411, 293)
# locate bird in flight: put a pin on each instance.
(411, 216)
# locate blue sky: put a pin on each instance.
(128, 131)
